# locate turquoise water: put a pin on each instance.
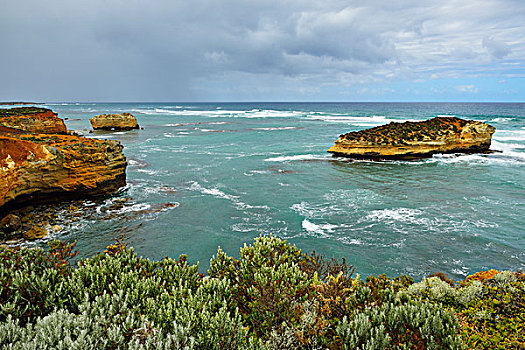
(238, 170)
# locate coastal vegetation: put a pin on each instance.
(273, 296)
(22, 111)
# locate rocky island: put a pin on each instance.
(412, 140)
(124, 121)
(40, 163)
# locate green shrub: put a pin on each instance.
(490, 307)
(273, 297)
(265, 282)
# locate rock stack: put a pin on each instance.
(412, 140)
(124, 121)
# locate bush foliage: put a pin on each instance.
(273, 296)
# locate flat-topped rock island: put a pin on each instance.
(412, 140)
(123, 121)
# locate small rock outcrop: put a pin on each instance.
(35, 232)
(411, 140)
(124, 121)
(32, 119)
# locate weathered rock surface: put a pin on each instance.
(124, 121)
(412, 140)
(38, 168)
(10, 223)
(32, 119)
(35, 232)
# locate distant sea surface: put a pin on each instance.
(238, 170)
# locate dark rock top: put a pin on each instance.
(21, 111)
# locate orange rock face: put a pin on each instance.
(411, 140)
(124, 121)
(45, 168)
(34, 120)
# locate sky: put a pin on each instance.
(262, 50)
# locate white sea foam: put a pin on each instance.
(195, 186)
(501, 120)
(406, 215)
(322, 229)
(506, 153)
(511, 150)
(350, 241)
(297, 157)
(212, 191)
(179, 134)
(254, 113)
(278, 128)
(311, 227)
(256, 172)
(242, 228)
(134, 207)
(357, 120)
(315, 211)
(149, 171)
(509, 135)
(100, 136)
(273, 114)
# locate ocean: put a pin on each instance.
(233, 171)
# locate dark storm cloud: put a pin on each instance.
(182, 50)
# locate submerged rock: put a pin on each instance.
(32, 119)
(35, 232)
(124, 121)
(411, 140)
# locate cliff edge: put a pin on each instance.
(39, 167)
(48, 168)
(32, 119)
(411, 140)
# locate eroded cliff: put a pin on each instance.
(32, 119)
(47, 168)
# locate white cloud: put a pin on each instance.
(467, 88)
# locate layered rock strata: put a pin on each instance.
(47, 168)
(411, 140)
(124, 121)
(41, 163)
(32, 119)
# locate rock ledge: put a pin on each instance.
(32, 119)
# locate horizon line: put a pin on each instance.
(268, 101)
